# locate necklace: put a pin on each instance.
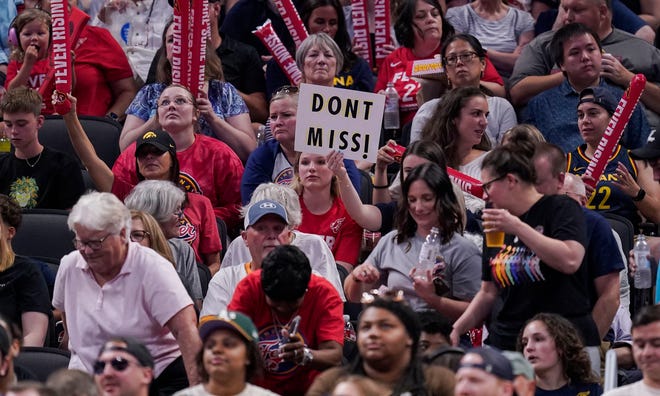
(27, 161)
(279, 326)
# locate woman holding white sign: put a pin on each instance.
(274, 160)
(626, 185)
(223, 113)
(327, 16)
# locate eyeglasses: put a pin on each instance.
(139, 235)
(94, 244)
(180, 101)
(287, 89)
(487, 185)
(178, 213)
(369, 297)
(467, 57)
(118, 364)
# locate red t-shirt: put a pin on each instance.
(198, 226)
(99, 61)
(342, 234)
(395, 69)
(321, 319)
(208, 167)
(38, 74)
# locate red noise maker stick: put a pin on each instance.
(200, 32)
(268, 36)
(66, 29)
(361, 27)
(381, 29)
(292, 20)
(466, 183)
(180, 46)
(614, 129)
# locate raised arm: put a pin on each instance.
(100, 173)
(367, 216)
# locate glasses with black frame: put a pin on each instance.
(487, 185)
(465, 58)
(118, 363)
(94, 244)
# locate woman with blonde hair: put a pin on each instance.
(323, 211)
(146, 231)
(24, 295)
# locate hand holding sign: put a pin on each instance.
(340, 119)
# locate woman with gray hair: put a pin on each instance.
(101, 290)
(319, 59)
(316, 250)
(164, 201)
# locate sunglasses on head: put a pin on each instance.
(118, 364)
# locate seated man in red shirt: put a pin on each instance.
(298, 316)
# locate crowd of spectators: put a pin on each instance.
(212, 258)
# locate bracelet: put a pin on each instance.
(381, 187)
(640, 195)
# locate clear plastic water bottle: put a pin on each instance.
(349, 331)
(391, 115)
(428, 254)
(261, 135)
(643, 273)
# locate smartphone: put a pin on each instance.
(293, 327)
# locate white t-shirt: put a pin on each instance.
(637, 389)
(250, 390)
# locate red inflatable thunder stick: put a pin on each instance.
(466, 183)
(65, 31)
(292, 20)
(614, 129)
(181, 44)
(361, 27)
(381, 29)
(199, 21)
(282, 56)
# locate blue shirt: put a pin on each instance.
(554, 113)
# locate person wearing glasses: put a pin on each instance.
(273, 161)
(223, 113)
(539, 268)
(124, 367)
(421, 29)
(163, 200)
(110, 286)
(23, 291)
(465, 63)
(155, 159)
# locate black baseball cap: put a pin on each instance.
(651, 150)
(157, 138)
(133, 347)
(600, 96)
(493, 362)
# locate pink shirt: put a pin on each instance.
(138, 303)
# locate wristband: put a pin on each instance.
(381, 187)
(640, 195)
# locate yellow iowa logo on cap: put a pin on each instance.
(149, 135)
